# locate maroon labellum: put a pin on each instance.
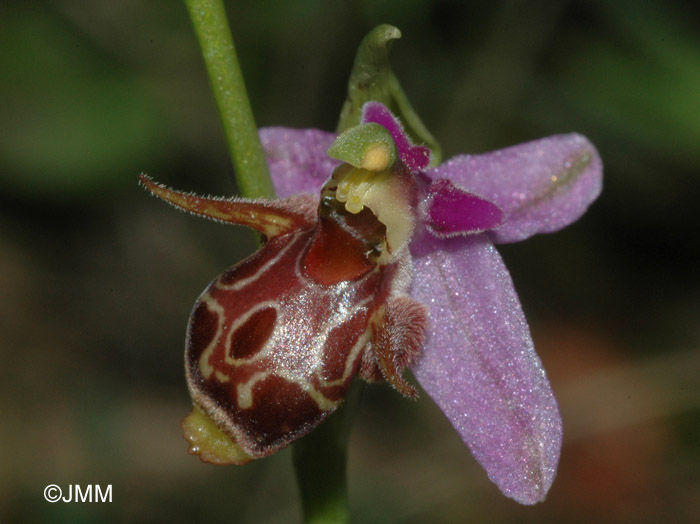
(274, 342)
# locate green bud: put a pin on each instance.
(373, 79)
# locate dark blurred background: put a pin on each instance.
(97, 278)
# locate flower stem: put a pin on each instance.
(214, 35)
(320, 460)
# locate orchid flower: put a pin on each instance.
(394, 266)
(478, 362)
(373, 262)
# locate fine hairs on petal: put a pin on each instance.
(270, 217)
(398, 337)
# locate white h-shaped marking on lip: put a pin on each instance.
(213, 306)
(228, 356)
(243, 282)
(244, 392)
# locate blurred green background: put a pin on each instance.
(97, 278)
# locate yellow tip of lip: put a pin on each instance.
(209, 442)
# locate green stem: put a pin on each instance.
(320, 461)
(214, 35)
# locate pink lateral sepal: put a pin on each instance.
(297, 159)
(542, 185)
(479, 365)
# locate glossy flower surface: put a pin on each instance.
(479, 362)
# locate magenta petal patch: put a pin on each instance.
(415, 157)
(542, 185)
(297, 159)
(450, 210)
(479, 365)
